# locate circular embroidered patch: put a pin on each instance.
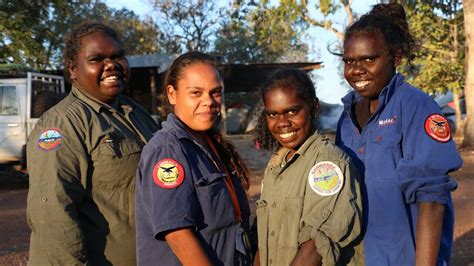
(168, 173)
(437, 127)
(325, 178)
(49, 139)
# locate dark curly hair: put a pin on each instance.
(226, 150)
(390, 21)
(295, 79)
(72, 41)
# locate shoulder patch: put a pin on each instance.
(325, 178)
(168, 173)
(49, 139)
(437, 127)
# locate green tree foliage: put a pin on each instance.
(440, 49)
(32, 32)
(187, 25)
(262, 33)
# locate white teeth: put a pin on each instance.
(111, 78)
(287, 135)
(362, 83)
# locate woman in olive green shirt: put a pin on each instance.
(310, 207)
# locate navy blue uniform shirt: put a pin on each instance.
(178, 185)
(405, 153)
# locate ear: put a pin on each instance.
(72, 71)
(171, 93)
(397, 58)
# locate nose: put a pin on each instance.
(358, 68)
(209, 100)
(283, 121)
(110, 64)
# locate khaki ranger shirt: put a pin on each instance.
(82, 161)
(291, 212)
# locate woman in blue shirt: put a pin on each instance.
(191, 205)
(401, 144)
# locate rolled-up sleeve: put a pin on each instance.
(423, 171)
(334, 221)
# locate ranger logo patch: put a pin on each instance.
(437, 127)
(168, 173)
(325, 178)
(49, 139)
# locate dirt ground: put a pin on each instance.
(14, 232)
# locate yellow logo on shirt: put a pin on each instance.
(168, 173)
(325, 178)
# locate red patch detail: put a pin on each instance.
(168, 173)
(437, 127)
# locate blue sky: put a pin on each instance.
(330, 86)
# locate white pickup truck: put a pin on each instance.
(24, 97)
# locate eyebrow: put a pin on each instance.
(201, 88)
(291, 108)
(361, 57)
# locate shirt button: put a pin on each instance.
(274, 205)
(361, 149)
(272, 233)
(44, 199)
(270, 261)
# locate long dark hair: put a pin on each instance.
(226, 150)
(295, 79)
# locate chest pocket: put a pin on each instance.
(383, 152)
(216, 203)
(115, 163)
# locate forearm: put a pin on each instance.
(187, 248)
(307, 255)
(428, 232)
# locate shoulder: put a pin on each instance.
(326, 150)
(70, 113)
(409, 95)
(163, 138)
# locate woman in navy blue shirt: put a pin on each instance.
(401, 144)
(191, 205)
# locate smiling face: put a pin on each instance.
(101, 68)
(197, 100)
(288, 117)
(368, 66)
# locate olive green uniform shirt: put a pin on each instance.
(80, 205)
(290, 212)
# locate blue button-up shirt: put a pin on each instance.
(201, 201)
(402, 166)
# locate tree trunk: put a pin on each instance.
(468, 6)
(457, 111)
(453, 54)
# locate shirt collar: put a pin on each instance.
(98, 105)
(182, 131)
(280, 154)
(385, 95)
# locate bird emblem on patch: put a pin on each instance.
(168, 173)
(325, 178)
(49, 139)
(437, 127)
